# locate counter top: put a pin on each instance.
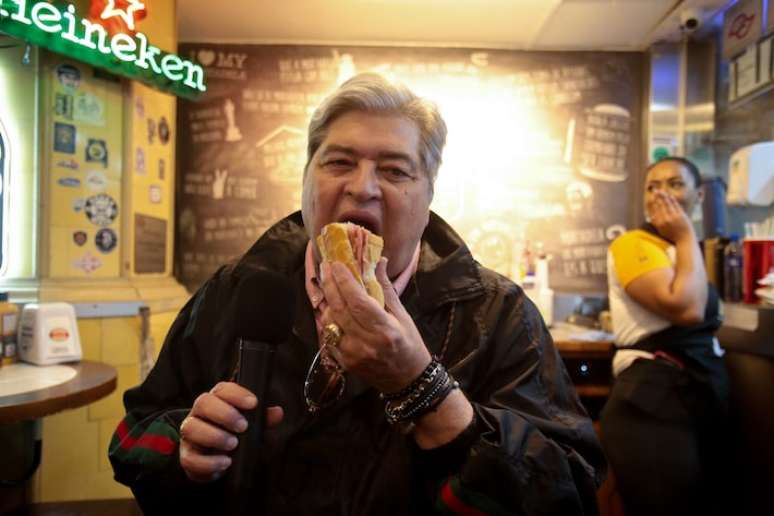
(748, 329)
(578, 341)
(587, 354)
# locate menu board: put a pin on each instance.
(539, 155)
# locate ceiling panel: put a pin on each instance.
(498, 23)
(516, 24)
(603, 24)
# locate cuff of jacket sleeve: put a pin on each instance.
(450, 457)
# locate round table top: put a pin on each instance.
(92, 381)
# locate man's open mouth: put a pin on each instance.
(363, 219)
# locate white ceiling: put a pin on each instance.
(513, 24)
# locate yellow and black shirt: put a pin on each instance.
(630, 256)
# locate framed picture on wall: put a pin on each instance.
(752, 70)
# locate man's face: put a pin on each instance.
(676, 180)
(367, 170)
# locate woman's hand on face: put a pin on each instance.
(381, 346)
(669, 218)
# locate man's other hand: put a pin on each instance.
(209, 433)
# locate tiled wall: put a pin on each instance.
(74, 464)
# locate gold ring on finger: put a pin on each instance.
(331, 335)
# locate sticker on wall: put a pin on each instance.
(151, 130)
(64, 138)
(78, 204)
(139, 106)
(106, 240)
(69, 182)
(162, 169)
(68, 163)
(89, 109)
(139, 161)
(96, 181)
(163, 129)
(154, 193)
(101, 209)
(63, 105)
(233, 134)
(79, 237)
(68, 75)
(88, 263)
(96, 151)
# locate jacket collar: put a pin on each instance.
(280, 248)
(447, 271)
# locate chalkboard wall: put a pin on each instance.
(541, 150)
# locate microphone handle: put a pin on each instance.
(255, 363)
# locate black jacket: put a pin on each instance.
(532, 450)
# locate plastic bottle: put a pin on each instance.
(527, 261)
(732, 271)
(545, 296)
(9, 315)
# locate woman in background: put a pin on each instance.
(664, 425)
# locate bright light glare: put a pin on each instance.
(18, 238)
(501, 150)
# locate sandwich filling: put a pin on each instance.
(358, 249)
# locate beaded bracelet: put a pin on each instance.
(429, 390)
(424, 377)
(431, 401)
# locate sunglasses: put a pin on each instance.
(325, 381)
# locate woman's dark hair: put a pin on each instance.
(688, 164)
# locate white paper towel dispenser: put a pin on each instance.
(751, 175)
(48, 334)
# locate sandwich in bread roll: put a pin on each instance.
(358, 249)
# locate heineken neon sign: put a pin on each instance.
(45, 25)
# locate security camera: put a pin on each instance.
(690, 19)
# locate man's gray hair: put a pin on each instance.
(371, 92)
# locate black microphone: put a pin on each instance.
(265, 311)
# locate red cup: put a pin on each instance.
(758, 260)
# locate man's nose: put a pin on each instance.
(363, 183)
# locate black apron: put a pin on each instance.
(705, 379)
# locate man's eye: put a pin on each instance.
(395, 173)
(338, 163)
(676, 185)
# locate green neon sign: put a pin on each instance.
(45, 25)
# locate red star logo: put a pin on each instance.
(117, 16)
